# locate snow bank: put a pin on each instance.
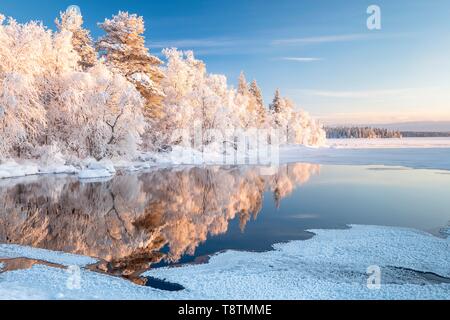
(331, 265)
(9, 251)
(97, 170)
(13, 169)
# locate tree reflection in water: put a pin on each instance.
(127, 221)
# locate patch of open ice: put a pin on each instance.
(389, 143)
(417, 158)
(331, 265)
(8, 251)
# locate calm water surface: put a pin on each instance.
(172, 216)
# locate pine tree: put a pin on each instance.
(124, 49)
(257, 95)
(277, 104)
(72, 21)
(243, 86)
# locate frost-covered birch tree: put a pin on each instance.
(23, 52)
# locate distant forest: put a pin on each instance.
(374, 133)
(360, 132)
(415, 134)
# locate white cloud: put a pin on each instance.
(339, 38)
(370, 118)
(301, 59)
(364, 94)
(377, 106)
(321, 39)
(196, 43)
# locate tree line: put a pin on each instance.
(64, 93)
(360, 133)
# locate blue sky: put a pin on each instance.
(318, 52)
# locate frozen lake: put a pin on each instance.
(133, 224)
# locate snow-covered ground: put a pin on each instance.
(331, 265)
(428, 153)
(390, 143)
(8, 251)
(417, 153)
(16, 169)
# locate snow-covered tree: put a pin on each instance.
(251, 116)
(22, 116)
(124, 49)
(243, 85)
(183, 73)
(57, 98)
(72, 21)
(194, 97)
(242, 102)
(23, 53)
(100, 115)
(259, 103)
(295, 127)
(277, 104)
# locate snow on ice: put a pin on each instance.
(331, 265)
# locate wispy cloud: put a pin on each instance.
(377, 105)
(196, 43)
(321, 39)
(364, 94)
(301, 59)
(377, 118)
(340, 38)
(230, 45)
(228, 42)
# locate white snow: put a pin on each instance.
(142, 78)
(89, 174)
(12, 169)
(389, 143)
(46, 283)
(419, 153)
(332, 264)
(97, 170)
(58, 169)
(417, 158)
(8, 251)
(423, 157)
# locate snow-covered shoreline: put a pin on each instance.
(331, 265)
(415, 153)
(396, 143)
